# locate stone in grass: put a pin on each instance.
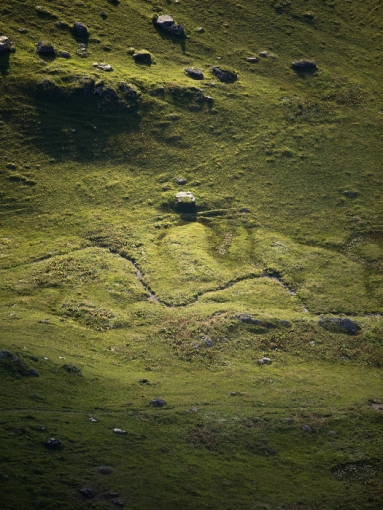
(118, 502)
(308, 429)
(339, 325)
(45, 48)
(194, 73)
(304, 65)
(71, 368)
(53, 444)
(167, 24)
(158, 402)
(87, 493)
(105, 470)
(251, 60)
(264, 361)
(142, 57)
(180, 181)
(224, 75)
(80, 29)
(64, 54)
(185, 197)
(5, 45)
(120, 432)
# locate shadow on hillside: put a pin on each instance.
(4, 64)
(81, 127)
(177, 41)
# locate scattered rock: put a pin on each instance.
(339, 325)
(129, 90)
(121, 432)
(103, 15)
(263, 54)
(142, 57)
(45, 48)
(80, 29)
(87, 493)
(185, 198)
(264, 361)
(351, 193)
(53, 443)
(71, 368)
(180, 181)
(81, 50)
(208, 342)
(158, 402)
(200, 30)
(144, 381)
(308, 16)
(131, 51)
(233, 393)
(105, 470)
(167, 24)
(308, 429)
(252, 60)
(64, 54)
(224, 75)
(103, 66)
(5, 45)
(196, 74)
(304, 65)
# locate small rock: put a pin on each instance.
(308, 429)
(233, 393)
(105, 470)
(332, 433)
(142, 57)
(34, 373)
(80, 29)
(264, 361)
(180, 181)
(5, 44)
(263, 54)
(144, 381)
(103, 15)
(45, 48)
(209, 342)
(105, 67)
(304, 65)
(288, 420)
(93, 420)
(200, 30)
(252, 60)
(62, 25)
(224, 75)
(87, 493)
(196, 74)
(339, 325)
(64, 54)
(117, 502)
(244, 210)
(81, 50)
(158, 402)
(185, 197)
(120, 431)
(312, 342)
(131, 51)
(53, 443)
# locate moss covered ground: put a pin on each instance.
(112, 294)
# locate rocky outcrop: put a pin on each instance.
(224, 75)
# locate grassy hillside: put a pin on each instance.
(113, 294)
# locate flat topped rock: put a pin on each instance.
(304, 65)
(164, 21)
(45, 48)
(197, 74)
(5, 44)
(185, 197)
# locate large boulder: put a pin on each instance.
(194, 73)
(167, 24)
(224, 75)
(304, 65)
(80, 29)
(339, 325)
(142, 57)
(45, 48)
(5, 45)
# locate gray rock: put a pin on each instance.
(224, 75)
(304, 65)
(81, 50)
(64, 54)
(244, 210)
(264, 361)
(339, 325)
(5, 44)
(53, 443)
(252, 60)
(158, 402)
(263, 54)
(233, 393)
(62, 25)
(167, 24)
(185, 197)
(103, 15)
(180, 181)
(332, 433)
(80, 29)
(200, 30)
(209, 342)
(142, 57)
(120, 432)
(308, 429)
(87, 493)
(45, 48)
(288, 420)
(196, 74)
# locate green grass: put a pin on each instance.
(100, 270)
